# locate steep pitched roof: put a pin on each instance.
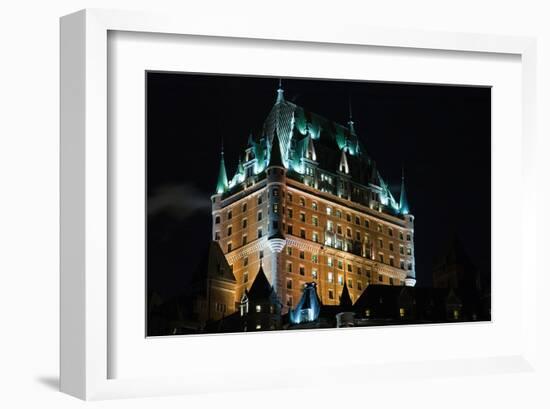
(275, 158)
(345, 298)
(403, 203)
(222, 184)
(261, 288)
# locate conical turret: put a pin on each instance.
(275, 156)
(222, 184)
(403, 203)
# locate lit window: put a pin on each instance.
(402, 312)
(315, 237)
(456, 314)
(258, 326)
(314, 274)
(329, 261)
(330, 277)
(329, 211)
(379, 228)
(409, 251)
(275, 208)
(315, 221)
(289, 250)
(340, 264)
(367, 312)
(314, 205)
(315, 258)
(302, 202)
(330, 225)
(258, 308)
(340, 279)
(275, 192)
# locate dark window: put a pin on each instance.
(217, 220)
(302, 233)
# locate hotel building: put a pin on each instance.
(308, 205)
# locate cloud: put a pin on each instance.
(178, 201)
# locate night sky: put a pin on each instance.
(440, 134)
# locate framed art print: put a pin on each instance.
(234, 195)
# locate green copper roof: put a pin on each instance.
(222, 184)
(275, 158)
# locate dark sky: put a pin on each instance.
(441, 134)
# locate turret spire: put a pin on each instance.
(275, 155)
(403, 203)
(280, 92)
(222, 184)
(350, 122)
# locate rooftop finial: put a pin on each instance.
(350, 122)
(280, 92)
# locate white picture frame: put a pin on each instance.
(85, 351)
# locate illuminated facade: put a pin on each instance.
(308, 205)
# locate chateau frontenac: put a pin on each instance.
(308, 210)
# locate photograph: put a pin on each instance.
(278, 203)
